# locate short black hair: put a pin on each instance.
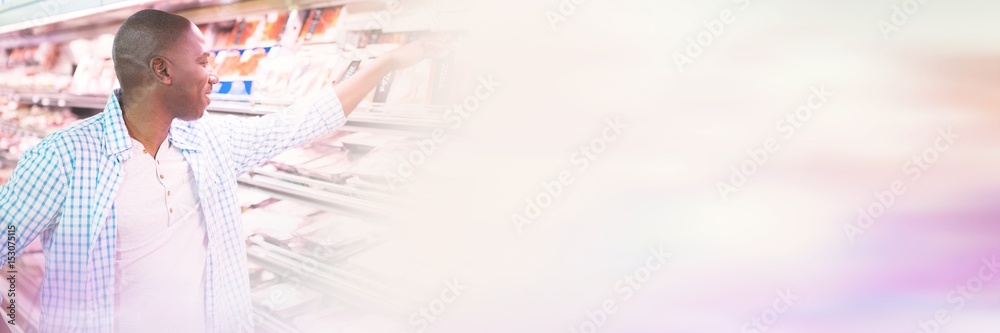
(145, 34)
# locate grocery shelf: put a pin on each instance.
(369, 118)
(365, 115)
(60, 99)
(273, 324)
(241, 108)
(342, 285)
(310, 196)
(20, 130)
(327, 186)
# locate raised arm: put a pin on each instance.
(353, 90)
(258, 139)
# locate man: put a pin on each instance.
(137, 207)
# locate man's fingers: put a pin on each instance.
(440, 46)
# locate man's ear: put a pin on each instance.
(161, 70)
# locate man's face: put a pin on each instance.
(192, 76)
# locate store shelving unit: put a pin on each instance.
(15, 129)
(307, 191)
(368, 118)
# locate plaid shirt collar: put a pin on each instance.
(117, 139)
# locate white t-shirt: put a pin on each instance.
(161, 250)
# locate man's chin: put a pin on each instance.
(193, 117)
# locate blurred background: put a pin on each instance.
(590, 166)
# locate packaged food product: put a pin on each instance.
(243, 30)
(274, 73)
(292, 208)
(275, 228)
(269, 32)
(350, 70)
(337, 234)
(319, 25)
(442, 78)
(411, 85)
(227, 63)
(344, 61)
(364, 142)
(382, 160)
(291, 159)
(329, 168)
(249, 61)
(285, 300)
(313, 70)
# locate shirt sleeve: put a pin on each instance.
(33, 198)
(256, 140)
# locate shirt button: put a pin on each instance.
(168, 193)
(171, 210)
(161, 176)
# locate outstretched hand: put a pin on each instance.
(424, 48)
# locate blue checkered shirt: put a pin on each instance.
(64, 190)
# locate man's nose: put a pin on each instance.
(213, 77)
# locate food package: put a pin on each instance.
(224, 33)
(383, 160)
(330, 168)
(242, 31)
(227, 63)
(237, 70)
(397, 37)
(256, 272)
(411, 85)
(313, 71)
(292, 159)
(364, 142)
(285, 300)
(269, 32)
(442, 78)
(275, 228)
(340, 68)
(319, 25)
(250, 60)
(349, 70)
(334, 237)
(292, 208)
(250, 198)
(274, 72)
(86, 76)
